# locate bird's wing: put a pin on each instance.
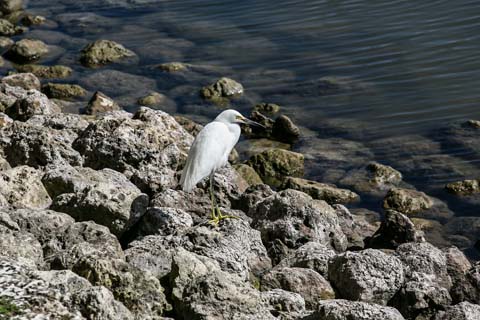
(206, 154)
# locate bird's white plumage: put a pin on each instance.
(211, 148)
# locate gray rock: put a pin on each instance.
(27, 50)
(295, 218)
(7, 28)
(308, 283)
(322, 191)
(425, 258)
(22, 188)
(103, 52)
(311, 255)
(21, 247)
(468, 288)
(407, 201)
(396, 229)
(26, 81)
(285, 305)
(356, 229)
(151, 146)
(100, 103)
(106, 196)
(368, 275)
(252, 196)
(30, 103)
(222, 88)
(39, 146)
(60, 121)
(461, 311)
(163, 221)
(353, 310)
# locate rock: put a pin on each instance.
(21, 247)
(5, 42)
(46, 72)
(285, 304)
(151, 146)
(222, 88)
(396, 229)
(105, 196)
(22, 188)
(308, 283)
(63, 91)
(407, 201)
(102, 52)
(27, 50)
(465, 226)
(248, 173)
(285, 130)
(368, 275)
(267, 109)
(8, 29)
(191, 126)
(321, 191)
(294, 218)
(31, 103)
(252, 196)
(421, 297)
(9, 6)
(274, 165)
(163, 221)
(153, 99)
(39, 146)
(353, 310)
(465, 187)
(139, 291)
(467, 286)
(425, 258)
(26, 81)
(461, 311)
(60, 121)
(355, 228)
(31, 20)
(100, 103)
(173, 67)
(311, 255)
(202, 291)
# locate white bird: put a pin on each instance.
(209, 152)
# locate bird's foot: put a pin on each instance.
(217, 216)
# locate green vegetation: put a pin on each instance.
(7, 308)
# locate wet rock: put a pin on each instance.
(201, 290)
(26, 81)
(294, 218)
(250, 147)
(111, 82)
(421, 297)
(407, 201)
(173, 66)
(5, 42)
(285, 130)
(223, 88)
(46, 72)
(249, 174)
(461, 311)
(274, 165)
(32, 20)
(30, 103)
(467, 287)
(63, 91)
(163, 221)
(285, 304)
(425, 258)
(396, 229)
(321, 191)
(39, 146)
(105, 196)
(308, 283)
(139, 291)
(353, 310)
(369, 275)
(159, 101)
(311, 255)
(9, 6)
(100, 103)
(102, 52)
(27, 50)
(465, 187)
(22, 188)
(267, 109)
(8, 29)
(151, 146)
(356, 229)
(21, 247)
(463, 137)
(465, 226)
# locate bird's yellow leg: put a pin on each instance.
(217, 215)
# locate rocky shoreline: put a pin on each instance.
(94, 225)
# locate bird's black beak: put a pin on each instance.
(253, 123)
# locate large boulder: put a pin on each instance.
(21, 247)
(102, 52)
(369, 275)
(461, 311)
(151, 146)
(353, 310)
(105, 196)
(22, 188)
(468, 288)
(27, 50)
(26, 81)
(26, 104)
(285, 304)
(308, 283)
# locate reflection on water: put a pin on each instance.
(388, 75)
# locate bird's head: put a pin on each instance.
(233, 116)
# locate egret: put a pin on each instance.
(209, 152)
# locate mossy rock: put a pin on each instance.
(249, 174)
(63, 91)
(274, 165)
(102, 52)
(47, 72)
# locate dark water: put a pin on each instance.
(402, 71)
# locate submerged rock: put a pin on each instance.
(47, 72)
(173, 66)
(27, 50)
(102, 52)
(63, 91)
(285, 130)
(407, 201)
